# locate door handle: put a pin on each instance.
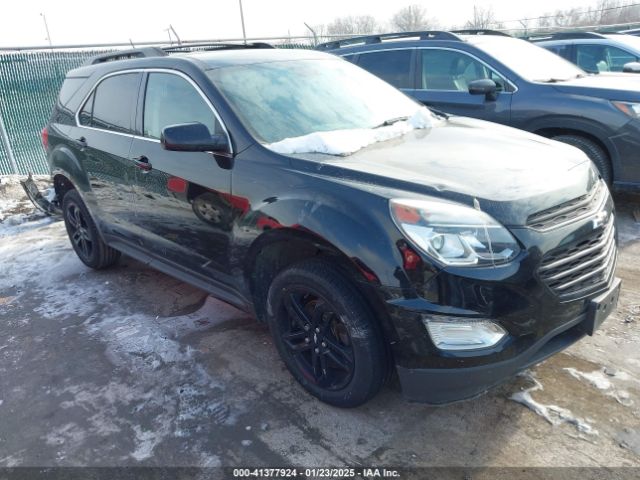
(142, 163)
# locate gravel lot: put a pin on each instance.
(131, 367)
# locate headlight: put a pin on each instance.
(628, 108)
(454, 234)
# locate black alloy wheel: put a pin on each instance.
(326, 333)
(317, 339)
(84, 235)
(79, 232)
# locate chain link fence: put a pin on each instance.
(29, 85)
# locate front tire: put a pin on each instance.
(597, 155)
(326, 334)
(84, 235)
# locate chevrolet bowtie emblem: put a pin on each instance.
(600, 219)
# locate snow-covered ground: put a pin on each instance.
(131, 367)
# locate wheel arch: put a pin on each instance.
(551, 127)
(66, 167)
(277, 249)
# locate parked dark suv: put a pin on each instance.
(492, 76)
(455, 251)
(595, 52)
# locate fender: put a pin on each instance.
(368, 238)
(62, 161)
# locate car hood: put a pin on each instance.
(510, 173)
(612, 86)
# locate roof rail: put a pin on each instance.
(126, 55)
(197, 47)
(368, 39)
(565, 36)
(480, 31)
(164, 51)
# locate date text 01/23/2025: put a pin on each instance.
(315, 473)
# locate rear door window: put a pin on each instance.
(87, 111)
(170, 100)
(393, 66)
(111, 104)
(115, 98)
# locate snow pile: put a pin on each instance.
(15, 208)
(595, 378)
(553, 414)
(346, 142)
(599, 379)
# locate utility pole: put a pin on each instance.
(244, 33)
(525, 26)
(176, 34)
(313, 32)
(46, 27)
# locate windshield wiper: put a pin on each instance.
(391, 121)
(440, 113)
(551, 80)
(558, 80)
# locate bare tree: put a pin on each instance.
(412, 18)
(604, 12)
(353, 25)
(483, 18)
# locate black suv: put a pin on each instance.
(418, 245)
(492, 76)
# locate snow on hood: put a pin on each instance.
(346, 142)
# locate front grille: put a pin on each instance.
(569, 211)
(583, 266)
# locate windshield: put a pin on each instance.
(285, 99)
(628, 40)
(531, 62)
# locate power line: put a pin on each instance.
(570, 27)
(619, 7)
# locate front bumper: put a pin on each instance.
(40, 201)
(446, 385)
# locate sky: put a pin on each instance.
(85, 22)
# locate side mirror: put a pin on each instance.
(192, 137)
(631, 67)
(484, 86)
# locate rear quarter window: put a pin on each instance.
(69, 88)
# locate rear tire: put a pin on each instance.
(83, 234)
(594, 151)
(326, 334)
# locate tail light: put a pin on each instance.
(45, 138)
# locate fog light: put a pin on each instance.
(469, 334)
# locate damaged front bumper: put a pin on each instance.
(46, 203)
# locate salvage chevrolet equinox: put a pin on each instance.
(372, 235)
